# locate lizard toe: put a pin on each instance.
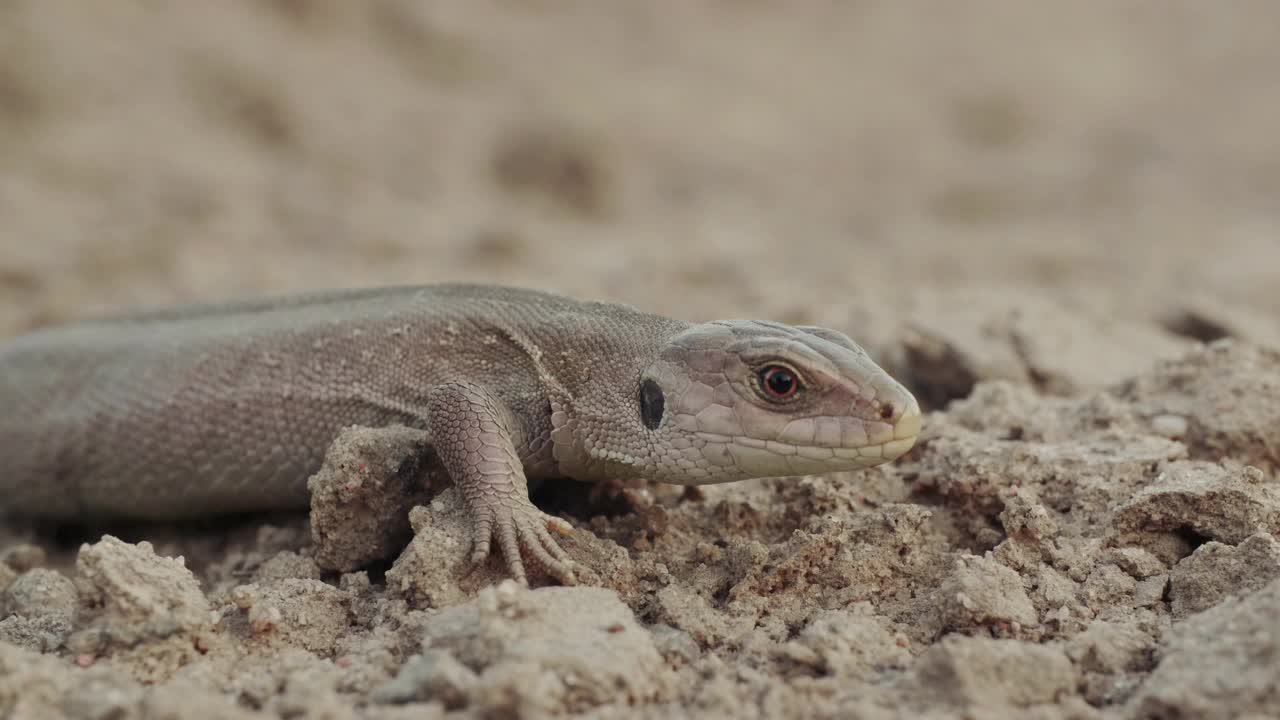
(481, 537)
(556, 525)
(551, 556)
(508, 539)
(522, 533)
(551, 546)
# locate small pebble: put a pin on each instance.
(1170, 426)
(23, 557)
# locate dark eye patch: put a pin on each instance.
(652, 404)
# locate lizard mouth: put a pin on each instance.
(889, 444)
(873, 453)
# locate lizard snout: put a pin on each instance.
(907, 422)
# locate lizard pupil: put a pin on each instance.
(778, 382)
(652, 404)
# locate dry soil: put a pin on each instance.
(1059, 223)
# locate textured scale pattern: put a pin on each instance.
(230, 406)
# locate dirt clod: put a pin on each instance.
(361, 496)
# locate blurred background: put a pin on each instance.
(898, 170)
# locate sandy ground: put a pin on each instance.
(1060, 224)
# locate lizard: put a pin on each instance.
(228, 406)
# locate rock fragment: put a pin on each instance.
(361, 496)
(981, 592)
(849, 644)
(1228, 394)
(1215, 570)
(984, 676)
(956, 340)
(298, 612)
(135, 594)
(1197, 501)
(549, 650)
(37, 610)
(1222, 662)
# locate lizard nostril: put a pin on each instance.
(887, 410)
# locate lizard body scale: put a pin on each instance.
(230, 406)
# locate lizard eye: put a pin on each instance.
(778, 382)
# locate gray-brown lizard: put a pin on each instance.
(230, 407)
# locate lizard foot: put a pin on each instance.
(521, 530)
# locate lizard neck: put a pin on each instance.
(597, 432)
(589, 451)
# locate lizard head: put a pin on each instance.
(737, 399)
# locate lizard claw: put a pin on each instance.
(522, 532)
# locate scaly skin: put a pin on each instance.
(229, 407)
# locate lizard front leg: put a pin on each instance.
(474, 435)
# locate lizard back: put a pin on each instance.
(229, 406)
